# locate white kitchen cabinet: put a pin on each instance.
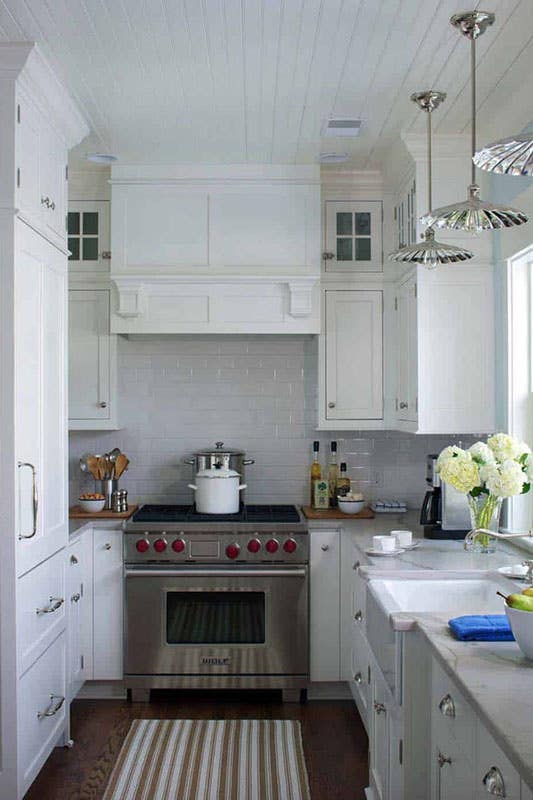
(405, 216)
(360, 681)
(107, 604)
(40, 398)
(88, 237)
(353, 236)
(379, 737)
(324, 605)
(351, 360)
(92, 361)
(445, 350)
(494, 774)
(80, 611)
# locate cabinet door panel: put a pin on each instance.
(354, 236)
(493, 771)
(89, 355)
(407, 377)
(324, 605)
(354, 355)
(27, 143)
(108, 605)
(379, 736)
(88, 236)
(52, 162)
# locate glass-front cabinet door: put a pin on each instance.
(88, 236)
(353, 236)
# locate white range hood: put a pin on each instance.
(227, 249)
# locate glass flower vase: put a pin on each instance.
(485, 510)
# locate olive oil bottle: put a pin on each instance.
(316, 472)
(333, 475)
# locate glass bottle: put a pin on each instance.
(316, 472)
(333, 475)
(343, 482)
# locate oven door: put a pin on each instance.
(213, 621)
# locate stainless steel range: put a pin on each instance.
(216, 601)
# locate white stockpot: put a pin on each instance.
(217, 491)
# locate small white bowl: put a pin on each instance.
(350, 506)
(521, 623)
(91, 506)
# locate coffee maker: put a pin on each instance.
(445, 513)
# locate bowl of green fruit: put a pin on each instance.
(519, 611)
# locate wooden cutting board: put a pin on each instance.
(334, 513)
(76, 513)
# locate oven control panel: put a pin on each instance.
(223, 548)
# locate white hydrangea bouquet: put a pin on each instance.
(487, 473)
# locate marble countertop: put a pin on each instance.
(77, 526)
(496, 679)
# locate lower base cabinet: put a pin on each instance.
(324, 591)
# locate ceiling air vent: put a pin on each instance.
(336, 126)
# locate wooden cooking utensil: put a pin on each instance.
(121, 465)
(92, 465)
(102, 468)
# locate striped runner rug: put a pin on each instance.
(187, 759)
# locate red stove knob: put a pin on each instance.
(254, 545)
(160, 545)
(232, 550)
(272, 546)
(290, 546)
(142, 545)
(178, 545)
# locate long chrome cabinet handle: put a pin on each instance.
(494, 783)
(35, 499)
(215, 573)
(55, 603)
(52, 710)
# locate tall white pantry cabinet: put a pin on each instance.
(38, 125)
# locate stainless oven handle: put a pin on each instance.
(215, 573)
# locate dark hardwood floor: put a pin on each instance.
(335, 741)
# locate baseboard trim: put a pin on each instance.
(329, 691)
(102, 690)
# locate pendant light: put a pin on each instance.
(429, 252)
(474, 214)
(512, 156)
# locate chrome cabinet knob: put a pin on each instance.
(447, 706)
(103, 404)
(331, 404)
(380, 708)
(442, 760)
(107, 546)
(358, 678)
(403, 404)
(356, 565)
(494, 783)
(74, 560)
(75, 597)
(324, 547)
(358, 616)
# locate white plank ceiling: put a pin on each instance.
(229, 81)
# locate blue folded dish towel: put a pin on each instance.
(482, 628)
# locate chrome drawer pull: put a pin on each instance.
(494, 783)
(358, 678)
(52, 710)
(74, 560)
(358, 616)
(447, 706)
(356, 565)
(55, 603)
(443, 760)
(380, 708)
(75, 597)
(107, 546)
(35, 499)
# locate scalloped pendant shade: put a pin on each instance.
(511, 156)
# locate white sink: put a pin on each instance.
(448, 596)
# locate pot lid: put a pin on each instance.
(219, 450)
(217, 472)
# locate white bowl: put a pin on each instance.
(91, 506)
(521, 623)
(350, 506)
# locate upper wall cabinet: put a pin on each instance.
(216, 249)
(88, 237)
(405, 215)
(353, 236)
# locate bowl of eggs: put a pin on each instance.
(351, 503)
(92, 502)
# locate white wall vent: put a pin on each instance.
(341, 126)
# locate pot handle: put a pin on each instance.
(242, 487)
(189, 461)
(192, 486)
(248, 461)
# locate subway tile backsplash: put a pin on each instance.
(258, 393)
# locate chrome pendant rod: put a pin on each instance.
(473, 82)
(430, 160)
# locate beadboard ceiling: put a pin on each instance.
(229, 81)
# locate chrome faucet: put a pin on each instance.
(528, 562)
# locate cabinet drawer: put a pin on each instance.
(451, 714)
(42, 709)
(494, 774)
(361, 674)
(41, 604)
